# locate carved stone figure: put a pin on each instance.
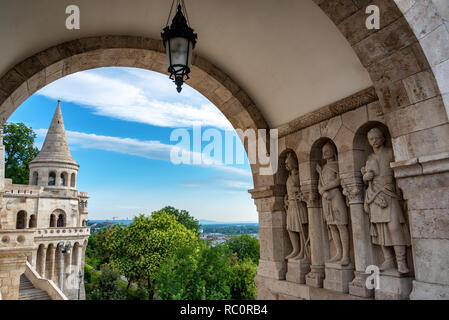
(297, 222)
(334, 205)
(388, 225)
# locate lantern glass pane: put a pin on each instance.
(178, 51)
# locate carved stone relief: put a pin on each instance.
(335, 210)
(382, 202)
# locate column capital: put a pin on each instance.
(353, 187)
(355, 193)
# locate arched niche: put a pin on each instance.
(361, 146)
(61, 218)
(317, 162)
(281, 180)
(362, 149)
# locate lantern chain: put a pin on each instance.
(183, 6)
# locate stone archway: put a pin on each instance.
(407, 60)
(56, 62)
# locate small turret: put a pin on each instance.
(54, 166)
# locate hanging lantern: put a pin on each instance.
(179, 41)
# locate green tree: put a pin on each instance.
(183, 217)
(19, 151)
(245, 246)
(107, 286)
(97, 252)
(242, 282)
(196, 272)
(138, 249)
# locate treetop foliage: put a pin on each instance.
(183, 217)
(245, 246)
(19, 151)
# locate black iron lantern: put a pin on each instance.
(179, 41)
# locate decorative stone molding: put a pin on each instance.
(352, 102)
(424, 165)
(266, 191)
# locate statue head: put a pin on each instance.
(290, 162)
(376, 138)
(328, 151)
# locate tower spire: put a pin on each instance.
(55, 147)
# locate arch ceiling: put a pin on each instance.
(287, 55)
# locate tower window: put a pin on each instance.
(52, 221)
(61, 220)
(72, 180)
(63, 179)
(52, 179)
(35, 178)
(21, 220)
(32, 222)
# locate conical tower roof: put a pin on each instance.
(55, 148)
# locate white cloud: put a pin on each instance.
(142, 148)
(138, 96)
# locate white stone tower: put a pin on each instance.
(54, 166)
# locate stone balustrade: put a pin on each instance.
(61, 232)
(44, 284)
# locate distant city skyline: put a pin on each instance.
(118, 123)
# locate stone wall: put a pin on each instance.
(422, 181)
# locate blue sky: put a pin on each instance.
(118, 123)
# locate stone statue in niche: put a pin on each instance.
(297, 221)
(334, 205)
(388, 225)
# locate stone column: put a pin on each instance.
(363, 248)
(318, 246)
(50, 259)
(274, 243)
(68, 262)
(58, 178)
(41, 262)
(425, 186)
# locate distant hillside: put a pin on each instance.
(202, 222)
(231, 228)
(125, 222)
(208, 222)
